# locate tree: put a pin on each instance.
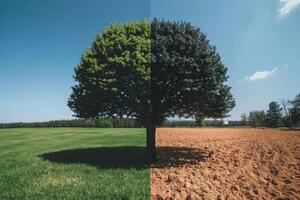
(286, 119)
(149, 72)
(296, 102)
(274, 115)
(257, 118)
(295, 116)
(295, 111)
(285, 104)
(200, 121)
(244, 119)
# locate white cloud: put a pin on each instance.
(261, 75)
(286, 6)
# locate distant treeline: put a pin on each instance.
(283, 114)
(101, 123)
(114, 123)
(205, 123)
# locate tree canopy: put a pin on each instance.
(150, 71)
(114, 73)
(188, 76)
(295, 111)
(257, 118)
(274, 115)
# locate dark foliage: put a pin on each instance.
(288, 115)
(150, 71)
(179, 123)
(295, 111)
(274, 115)
(205, 123)
(184, 77)
(257, 118)
(100, 123)
(244, 119)
(187, 75)
(295, 116)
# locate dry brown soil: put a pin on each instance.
(217, 163)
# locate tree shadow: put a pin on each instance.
(102, 157)
(178, 156)
(127, 157)
(289, 129)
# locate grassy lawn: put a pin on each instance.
(73, 163)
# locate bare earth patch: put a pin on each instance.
(226, 164)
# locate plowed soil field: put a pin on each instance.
(217, 163)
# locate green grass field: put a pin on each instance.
(73, 163)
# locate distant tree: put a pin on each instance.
(106, 123)
(295, 111)
(274, 115)
(286, 119)
(103, 123)
(285, 104)
(214, 122)
(296, 101)
(91, 122)
(244, 119)
(149, 72)
(295, 116)
(257, 118)
(200, 121)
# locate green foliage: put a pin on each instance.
(295, 111)
(274, 115)
(200, 121)
(149, 72)
(287, 121)
(295, 116)
(26, 175)
(214, 123)
(105, 123)
(114, 73)
(205, 123)
(244, 119)
(179, 123)
(257, 118)
(108, 122)
(296, 102)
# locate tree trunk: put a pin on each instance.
(151, 129)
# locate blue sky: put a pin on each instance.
(259, 42)
(41, 43)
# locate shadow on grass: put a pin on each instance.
(126, 157)
(102, 157)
